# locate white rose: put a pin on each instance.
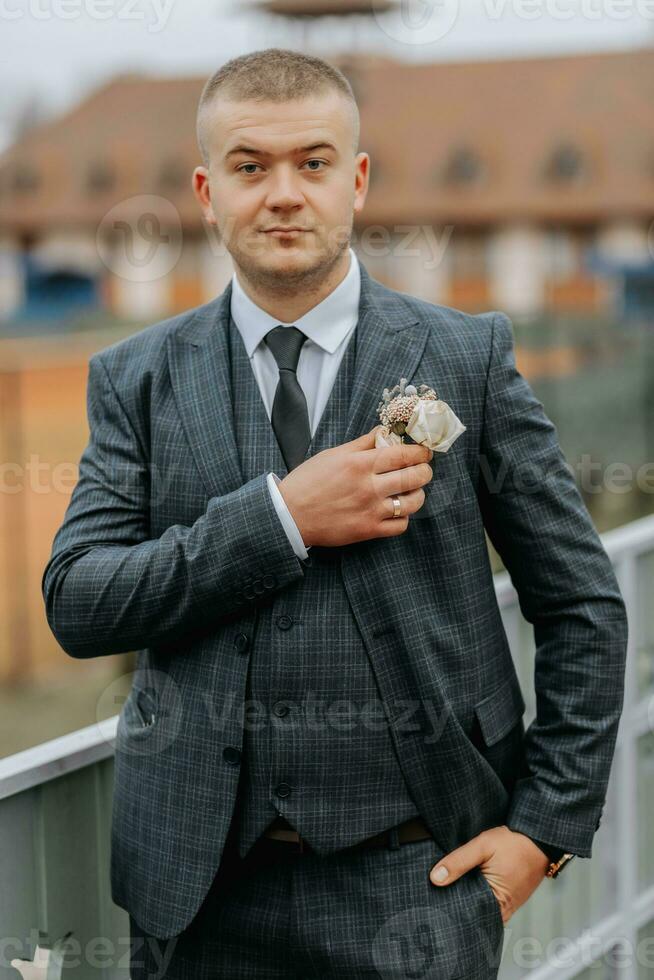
(384, 437)
(434, 424)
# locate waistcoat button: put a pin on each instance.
(283, 790)
(284, 622)
(231, 755)
(269, 581)
(280, 709)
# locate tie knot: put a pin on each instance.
(286, 344)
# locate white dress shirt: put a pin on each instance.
(328, 327)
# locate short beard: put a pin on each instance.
(285, 284)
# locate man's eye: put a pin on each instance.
(250, 172)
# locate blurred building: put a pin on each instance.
(524, 184)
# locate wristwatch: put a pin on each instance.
(558, 857)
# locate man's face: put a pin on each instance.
(288, 165)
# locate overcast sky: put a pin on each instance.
(53, 51)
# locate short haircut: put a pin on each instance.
(273, 75)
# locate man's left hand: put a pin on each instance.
(510, 861)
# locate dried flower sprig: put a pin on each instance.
(419, 413)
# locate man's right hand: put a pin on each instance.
(343, 494)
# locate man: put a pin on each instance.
(235, 523)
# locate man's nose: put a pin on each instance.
(284, 190)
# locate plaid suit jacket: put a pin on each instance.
(166, 550)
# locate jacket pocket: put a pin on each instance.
(146, 705)
(500, 711)
(139, 711)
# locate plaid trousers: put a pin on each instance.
(373, 912)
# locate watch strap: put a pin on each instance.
(556, 866)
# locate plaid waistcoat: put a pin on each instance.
(316, 743)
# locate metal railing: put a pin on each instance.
(595, 921)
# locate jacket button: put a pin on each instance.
(284, 622)
(269, 581)
(248, 592)
(241, 642)
(283, 790)
(281, 709)
(258, 587)
(231, 755)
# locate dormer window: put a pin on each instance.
(566, 163)
(100, 178)
(463, 167)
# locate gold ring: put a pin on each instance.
(396, 507)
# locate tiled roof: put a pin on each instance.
(567, 138)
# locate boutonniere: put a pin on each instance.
(418, 413)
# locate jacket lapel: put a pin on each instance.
(390, 344)
(198, 360)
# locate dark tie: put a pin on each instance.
(290, 416)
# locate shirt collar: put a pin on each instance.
(326, 324)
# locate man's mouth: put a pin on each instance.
(285, 232)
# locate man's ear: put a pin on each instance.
(362, 181)
(202, 192)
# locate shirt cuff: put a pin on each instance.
(284, 514)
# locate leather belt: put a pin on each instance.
(410, 830)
